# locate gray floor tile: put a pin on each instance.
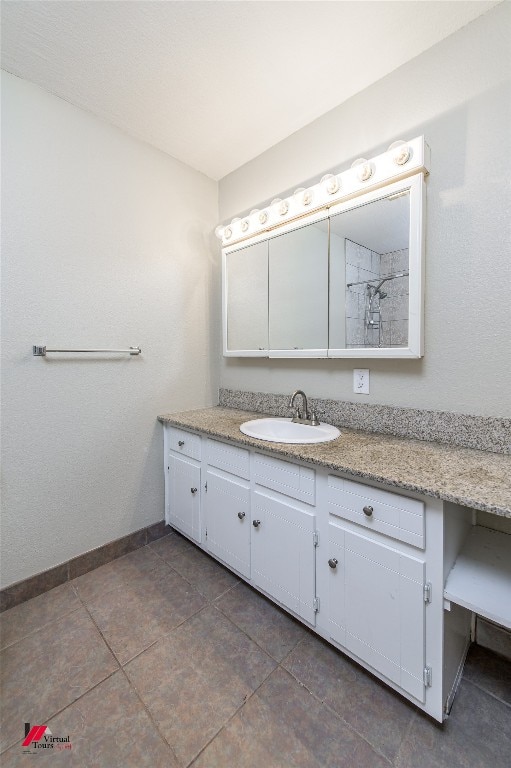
(171, 546)
(489, 671)
(48, 670)
(195, 679)
(199, 676)
(205, 573)
(27, 617)
(273, 629)
(476, 735)
(107, 728)
(135, 615)
(283, 726)
(375, 711)
(124, 570)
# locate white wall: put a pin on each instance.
(106, 243)
(458, 95)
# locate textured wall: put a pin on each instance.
(458, 95)
(106, 243)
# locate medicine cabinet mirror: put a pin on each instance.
(346, 281)
(297, 287)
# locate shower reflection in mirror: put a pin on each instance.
(376, 271)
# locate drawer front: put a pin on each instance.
(185, 443)
(396, 516)
(230, 458)
(290, 479)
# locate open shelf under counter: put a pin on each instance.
(480, 579)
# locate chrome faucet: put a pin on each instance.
(303, 418)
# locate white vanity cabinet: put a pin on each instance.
(284, 535)
(227, 502)
(256, 522)
(376, 606)
(378, 586)
(183, 482)
(228, 520)
(363, 566)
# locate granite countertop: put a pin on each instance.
(477, 479)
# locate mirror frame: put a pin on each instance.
(415, 349)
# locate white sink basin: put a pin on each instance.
(285, 431)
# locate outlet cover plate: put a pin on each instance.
(361, 381)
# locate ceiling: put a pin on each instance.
(216, 83)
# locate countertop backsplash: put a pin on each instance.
(484, 433)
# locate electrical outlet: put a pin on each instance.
(361, 381)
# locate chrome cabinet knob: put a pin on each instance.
(180, 443)
(333, 562)
(256, 523)
(368, 511)
(241, 515)
(193, 490)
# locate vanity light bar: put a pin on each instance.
(402, 159)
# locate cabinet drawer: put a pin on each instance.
(230, 458)
(185, 443)
(290, 479)
(396, 516)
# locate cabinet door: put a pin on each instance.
(283, 552)
(184, 496)
(376, 607)
(228, 520)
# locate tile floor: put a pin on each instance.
(163, 658)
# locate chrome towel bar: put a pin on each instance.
(41, 351)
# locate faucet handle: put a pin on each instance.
(314, 418)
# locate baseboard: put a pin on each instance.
(494, 637)
(43, 582)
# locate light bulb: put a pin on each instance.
(219, 231)
(303, 196)
(277, 206)
(244, 225)
(330, 183)
(227, 233)
(400, 152)
(364, 169)
(263, 217)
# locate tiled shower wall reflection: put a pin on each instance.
(394, 309)
(389, 327)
